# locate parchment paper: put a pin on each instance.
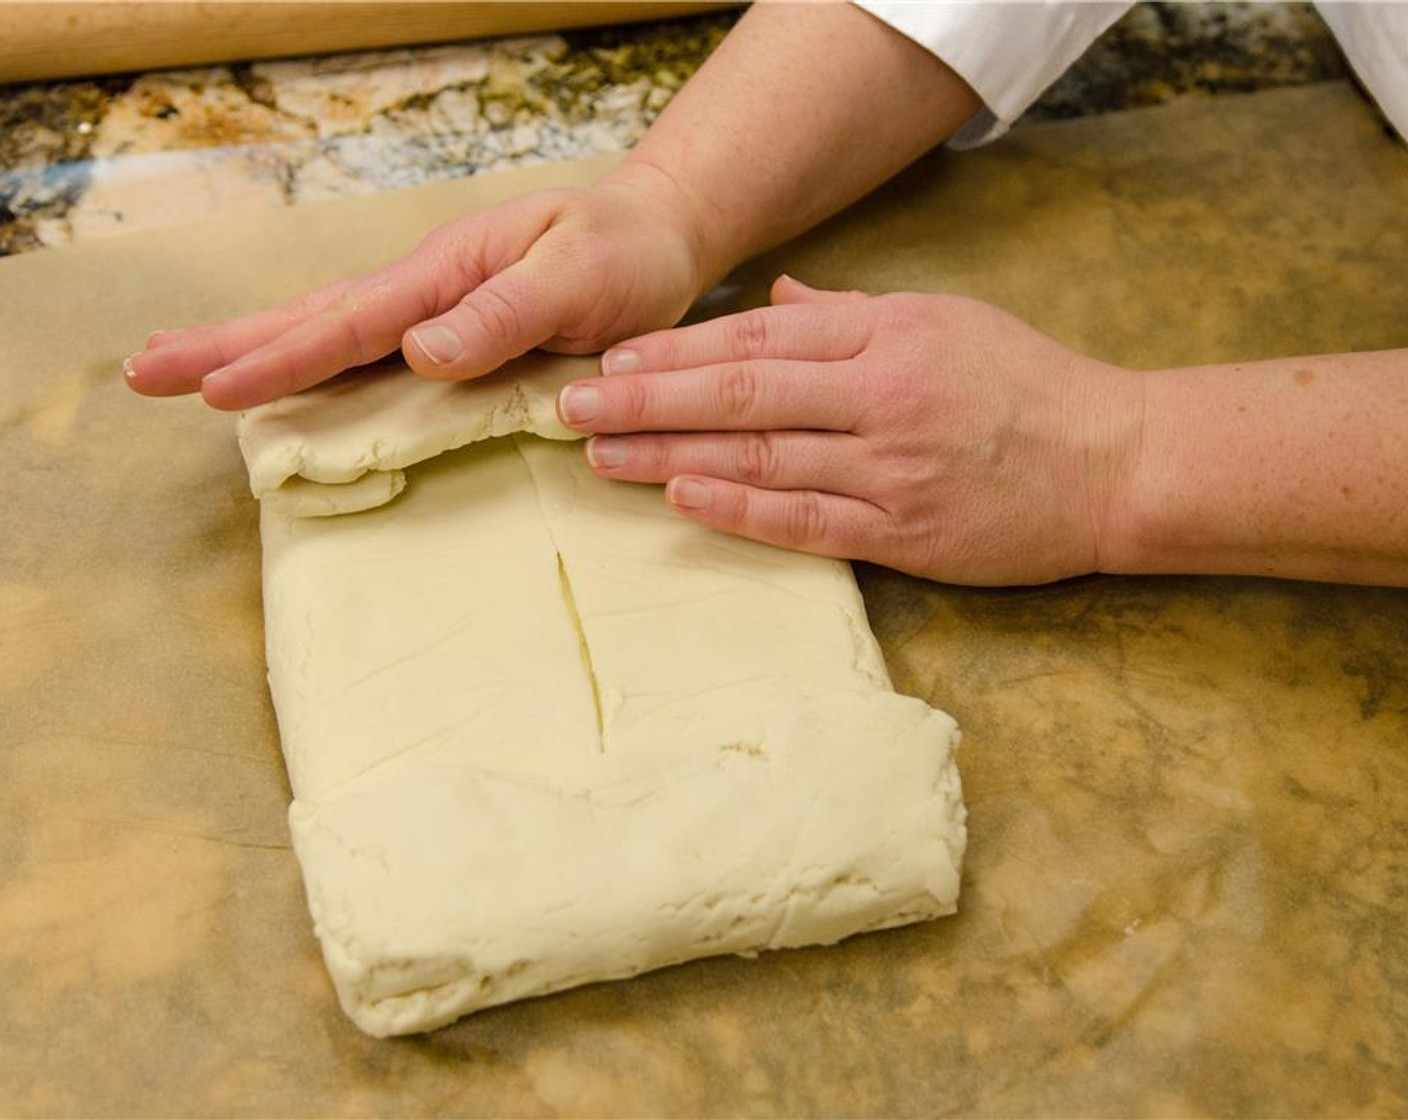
(1187, 879)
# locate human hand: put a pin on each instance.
(933, 434)
(567, 270)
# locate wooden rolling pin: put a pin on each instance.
(61, 40)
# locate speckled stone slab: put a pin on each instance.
(1187, 883)
(87, 159)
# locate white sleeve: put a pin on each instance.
(1374, 37)
(1008, 52)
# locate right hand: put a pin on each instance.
(570, 271)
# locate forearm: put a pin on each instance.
(1294, 467)
(802, 109)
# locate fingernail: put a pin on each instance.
(606, 453)
(689, 494)
(438, 343)
(213, 375)
(127, 369)
(155, 335)
(619, 361)
(579, 403)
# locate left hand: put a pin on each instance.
(566, 270)
(933, 434)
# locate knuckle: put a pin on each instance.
(628, 402)
(909, 477)
(737, 389)
(757, 458)
(495, 313)
(351, 340)
(453, 257)
(751, 334)
(804, 520)
(441, 243)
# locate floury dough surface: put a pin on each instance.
(342, 447)
(541, 731)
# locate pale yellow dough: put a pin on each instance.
(542, 731)
(343, 447)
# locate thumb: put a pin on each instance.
(507, 315)
(787, 290)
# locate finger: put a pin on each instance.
(777, 460)
(805, 520)
(174, 362)
(505, 316)
(364, 325)
(742, 396)
(258, 327)
(801, 332)
(788, 290)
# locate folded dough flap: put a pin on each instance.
(330, 449)
(542, 731)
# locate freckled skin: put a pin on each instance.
(1013, 459)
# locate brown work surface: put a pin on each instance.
(1187, 880)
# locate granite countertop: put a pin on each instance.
(87, 158)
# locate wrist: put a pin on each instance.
(1121, 509)
(664, 198)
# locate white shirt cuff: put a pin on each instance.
(1374, 37)
(1008, 52)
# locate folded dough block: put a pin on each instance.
(342, 448)
(543, 731)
